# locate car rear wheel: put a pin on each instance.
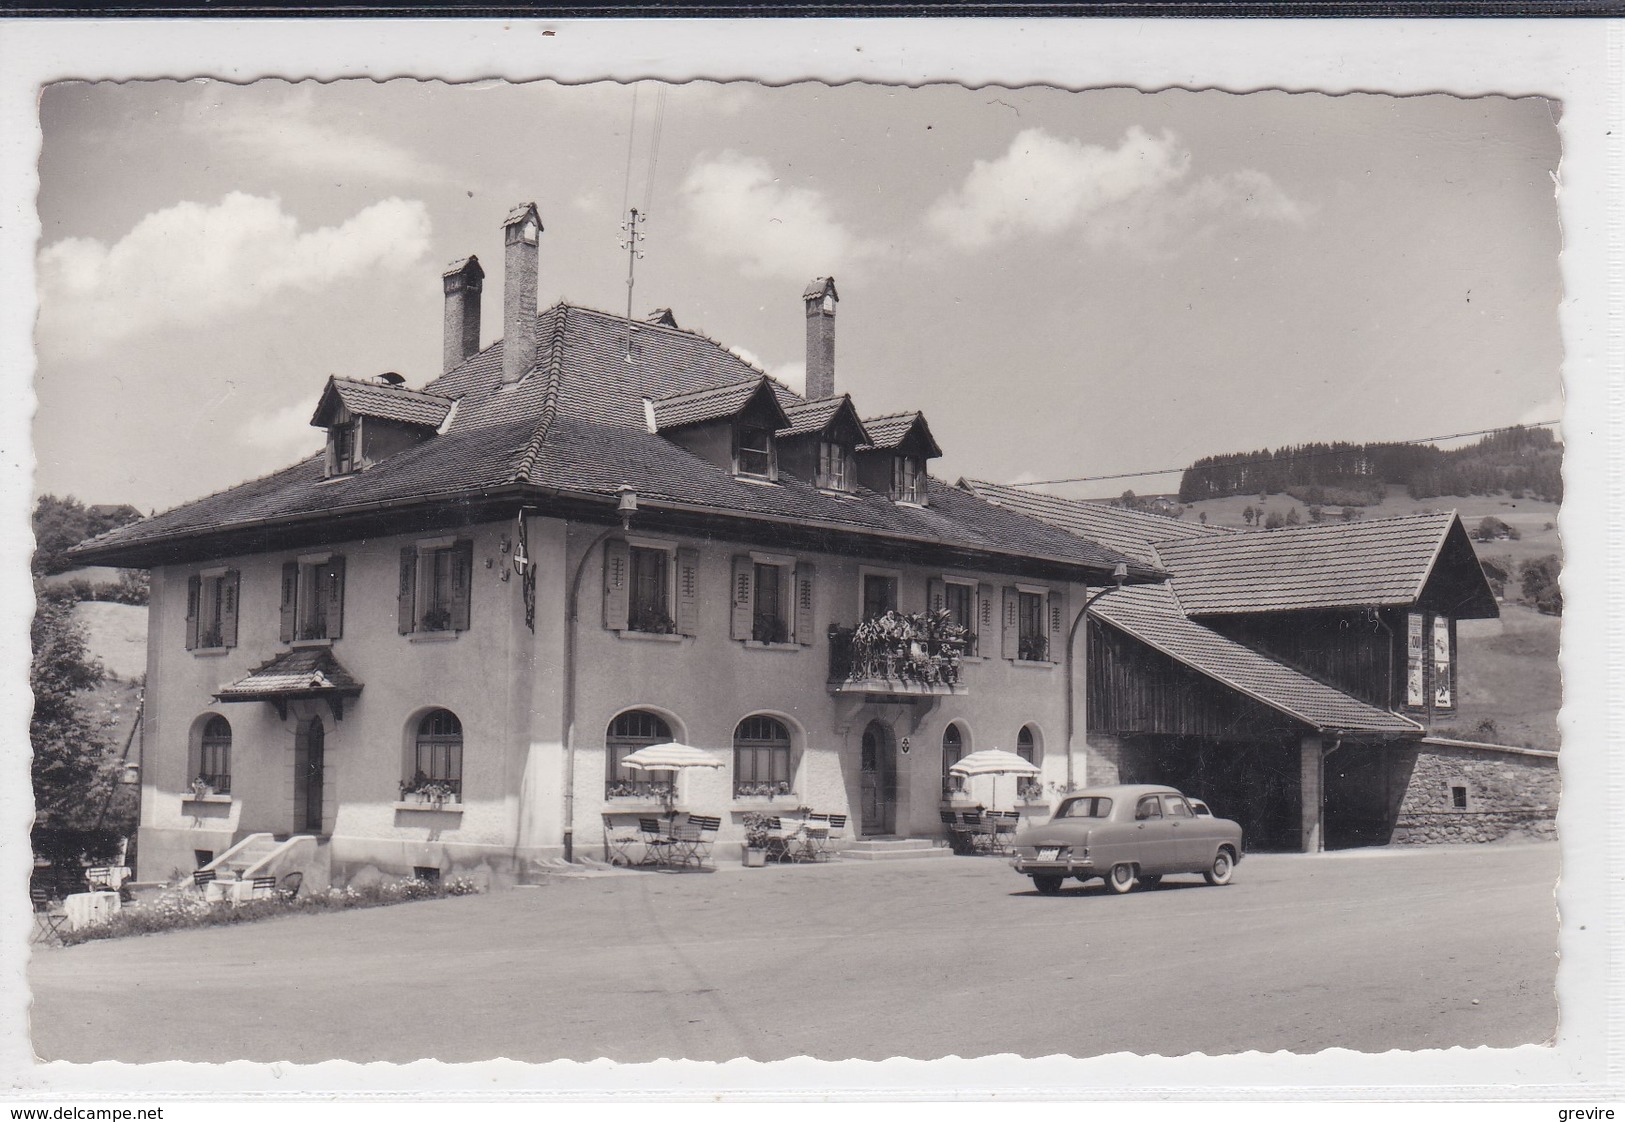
(1048, 885)
(1121, 878)
(1223, 865)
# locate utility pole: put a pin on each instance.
(634, 235)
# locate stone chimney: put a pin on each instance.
(463, 282)
(820, 298)
(520, 231)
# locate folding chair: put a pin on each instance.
(657, 847)
(201, 878)
(977, 832)
(1004, 829)
(781, 839)
(817, 836)
(49, 915)
(692, 842)
(618, 842)
(291, 884)
(837, 833)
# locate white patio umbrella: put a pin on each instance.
(671, 756)
(994, 762)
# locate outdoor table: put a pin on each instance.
(86, 908)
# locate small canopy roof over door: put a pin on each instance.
(296, 676)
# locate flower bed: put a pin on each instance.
(179, 908)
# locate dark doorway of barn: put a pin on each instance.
(1360, 808)
(1256, 783)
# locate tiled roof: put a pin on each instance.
(1380, 563)
(695, 406)
(308, 672)
(392, 403)
(1149, 614)
(888, 431)
(812, 416)
(1127, 531)
(576, 424)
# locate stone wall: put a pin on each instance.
(1476, 793)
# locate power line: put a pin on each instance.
(1297, 456)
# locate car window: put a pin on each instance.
(1148, 808)
(1174, 807)
(1089, 807)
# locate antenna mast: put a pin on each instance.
(634, 235)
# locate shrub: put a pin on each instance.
(179, 908)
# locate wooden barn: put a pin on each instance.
(1290, 677)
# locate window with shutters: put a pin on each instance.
(320, 599)
(879, 594)
(211, 610)
(651, 587)
(436, 587)
(627, 733)
(772, 600)
(343, 444)
(649, 610)
(763, 763)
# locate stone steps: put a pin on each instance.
(893, 849)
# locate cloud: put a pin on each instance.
(286, 430)
(792, 374)
(1550, 410)
(737, 209)
(293, 132)
(1138, 193)
(191, 262)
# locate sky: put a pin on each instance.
(1066, 283)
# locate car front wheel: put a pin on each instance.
(1049, 886)
(1223, 865)
(1121, 878)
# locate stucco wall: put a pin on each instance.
(505, 683)
(1508, 793)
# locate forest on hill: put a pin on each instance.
(1518, 460)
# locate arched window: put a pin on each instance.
(761, 757)
(632, 730)
(1028, 787)
(1026, 744)
(953, 750)
(437, 767)
(214, 756)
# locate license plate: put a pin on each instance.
(1049, 854)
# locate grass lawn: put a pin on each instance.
(1509, 674)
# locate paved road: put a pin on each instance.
(1370, 950)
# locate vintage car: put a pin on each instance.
(1127, 835)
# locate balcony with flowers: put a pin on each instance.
(913, 654)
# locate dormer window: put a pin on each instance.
(342, 445)
(754, 453)
(837, 467)
(908, 480)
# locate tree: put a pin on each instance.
(1202, 518)
(1539, 579)
(1316, 514)
(61, 523)
(1292, 518)
(74, 767)
(1274, 521)
(1248, 514)
(1490, 528)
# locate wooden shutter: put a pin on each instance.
(1012, 624)
(462, 584)
(617, 584)
(1057, 626)
(743, 597)
(806, 574)
(688, 592)
(290, 599)
(335, 598)
(194, 591)
(229, 585)
(406, 595)
(936, 594)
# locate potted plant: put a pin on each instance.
(756, 828)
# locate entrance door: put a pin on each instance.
(309, 766)
(879, 795)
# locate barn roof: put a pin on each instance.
(1127, 531)
(1386, 562)
(1150, 614)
